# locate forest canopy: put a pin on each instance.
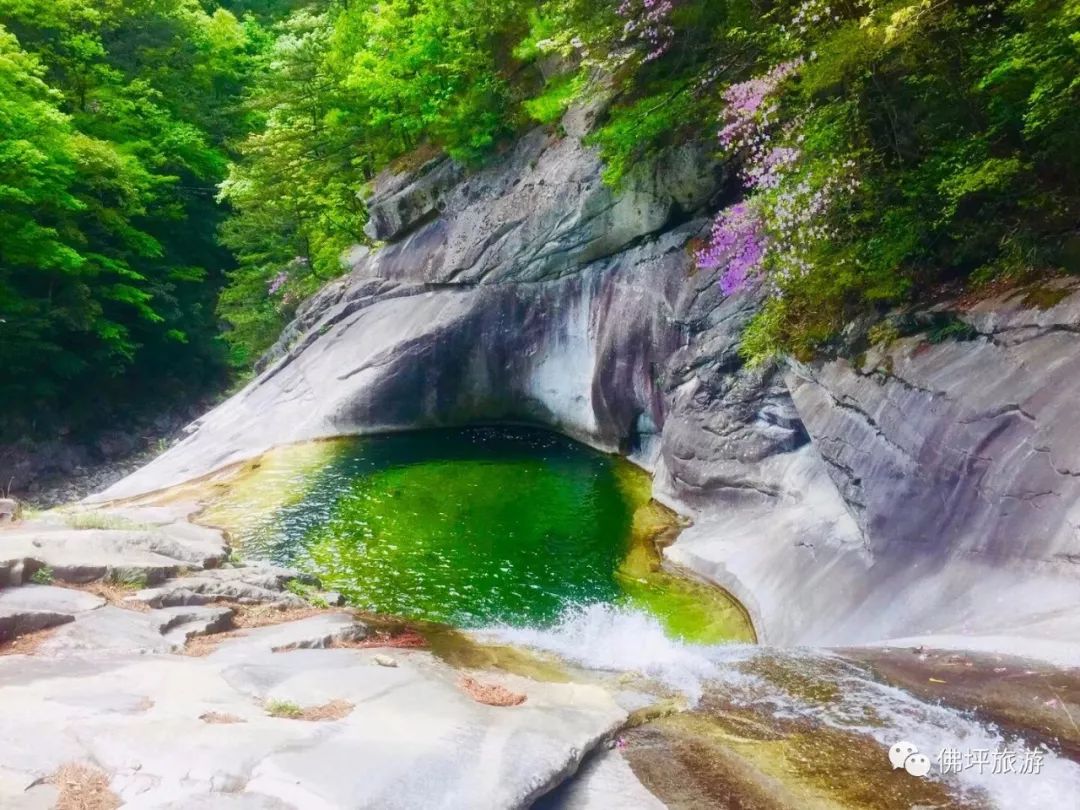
(176, 176)
(115, 120)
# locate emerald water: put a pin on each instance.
(476, 527)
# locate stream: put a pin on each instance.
(530, 541)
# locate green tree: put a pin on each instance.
(111, 277)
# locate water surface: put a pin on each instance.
(476, 527)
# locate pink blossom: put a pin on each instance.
(276, 283)
(749, 106)
(648, 21)
(767, 171)
(740, 242)
(738, 245)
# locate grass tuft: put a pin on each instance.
(83, 787)
(333, 710)
(284, 708)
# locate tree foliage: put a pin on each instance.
(114, 120)
(174, 169)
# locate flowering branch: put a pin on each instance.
(649, 21)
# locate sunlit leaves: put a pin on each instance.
(114, 118)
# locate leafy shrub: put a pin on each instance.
(42, 576)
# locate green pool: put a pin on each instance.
(471, 527)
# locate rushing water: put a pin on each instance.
(814, 725)
(473, 528)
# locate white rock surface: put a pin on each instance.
(38, 607)
(116, 630)
(413, 738)
(49, 597)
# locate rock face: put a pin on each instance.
(180, 731)
(540, 294)
(931, 488)
(960, 461)
(409, 199)
(9, 510)
(138, 545)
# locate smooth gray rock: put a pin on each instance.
(92, 554)
(15, 622)
(49, 597)
(315, 633)
(178, 624)
(960, 461)
(113, 630)
(110, 630)
(970, 447)
(129, 544)
(401, 202)
(412, 739)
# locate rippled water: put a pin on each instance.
(470, 527)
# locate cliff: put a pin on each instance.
(921, 487)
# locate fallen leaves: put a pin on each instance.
(490, 694)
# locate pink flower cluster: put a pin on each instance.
(649, 21)
(750, 107)
(276, 283)
(765, 170)
(786, 218)
(738, 245)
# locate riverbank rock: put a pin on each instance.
(180, 731)
(245, 585)
(10, 510)
(221, 688)
(926, 486)
(131, 546)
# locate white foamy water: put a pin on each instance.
(612, 639)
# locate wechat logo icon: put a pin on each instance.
(905, 755)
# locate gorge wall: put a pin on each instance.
(924, 488)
